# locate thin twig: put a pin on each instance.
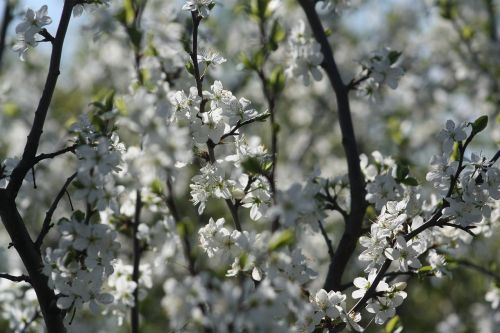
(471, 265)
(42, 157)
(7, 18)
(48, 215)
(186, 243)
(328, 241)
(14, 278)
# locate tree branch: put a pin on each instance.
(32, 260)
(137, 252)
(48, 215)
(13, 278)
(42, 157)
(36, 131)
(471, 265)
(169, 199)
(7, 18)
(352, 230)
(328, 241)
(11, 218)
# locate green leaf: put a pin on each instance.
(401, 172)
(251, 166)
(11, 110)
(157, 187)
(479, 124)
(394, 56)
(447, 9)
(276, 35)
(467, 32)
(281, 239)
(259, 58)
(190, 68)
(246, 62)
(425, 269)
(392, 325)
(277, 80)
(128, 7)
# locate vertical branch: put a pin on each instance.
(199, 87)
(32, 260)
(7, 18)
(137, 251)
(11, 218)
(28, 158)
(169, 199)
(352, 230)
(492, 20)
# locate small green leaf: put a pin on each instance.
(276, 35)
(247, 63)
(277, 80)
(281, 239)
(394, 56)
(157, 187)
(392, 325)
(252, 166)
(425, 269)
(190, 68)
(467, 32)
(401, 172)
(479, 124)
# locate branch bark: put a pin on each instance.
(9, 214)
(7, 18)
(29, 154)
(352, 230)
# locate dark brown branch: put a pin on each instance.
(11, 218)
(42, 157)
(241, 124)
(352, 230)
(15, 278)
(492, 20)
(137, 252)
(458, 226)
(7, 18)
(36, 131)
(32, 261)
(48, 215)
(170, 200)
(471, 265)
(328, 241)
(199, 86)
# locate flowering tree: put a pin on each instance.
(151, 196)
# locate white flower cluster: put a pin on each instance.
(98, 157)
(79, 8)
(122, 287)
(382, 186)
(19, 306)
(201, 6)
(79, 266)
(306, 55)
(254, 252)
(381, 68)
(299, 204)
(32, 24)
(224, 113)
